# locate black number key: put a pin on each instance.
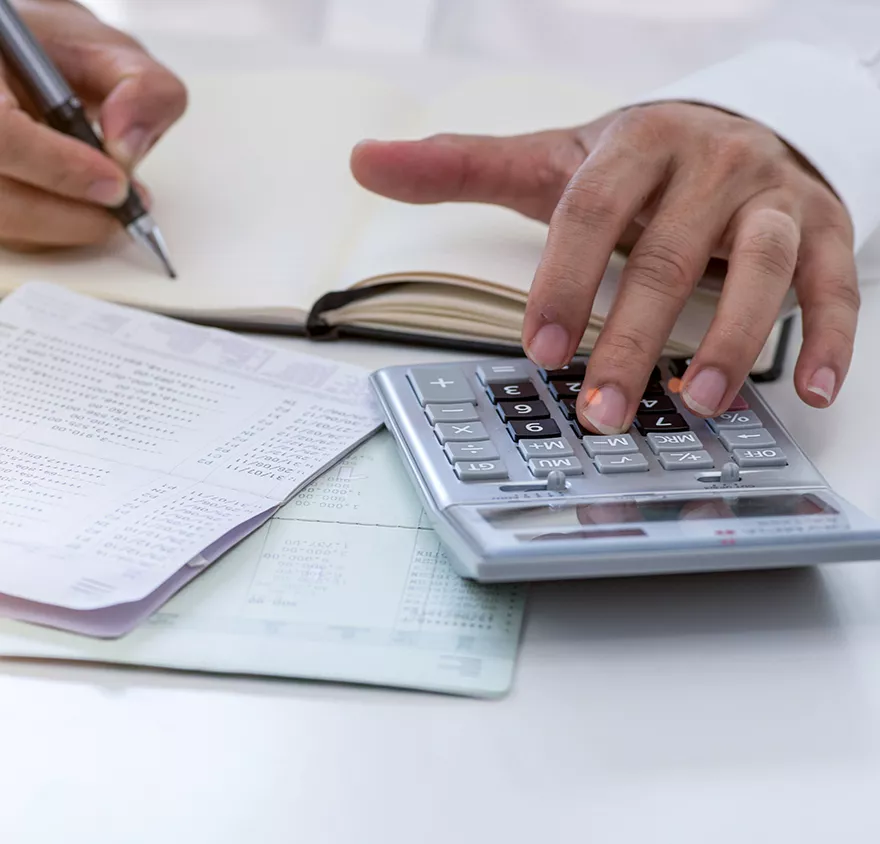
(576, 369)
(521, 429)
(523, 410)
(654, 388)
(565, 389)
(656, 404)
(569, 408)
(648, 423)
(517, 390)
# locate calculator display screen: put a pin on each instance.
(628, 510)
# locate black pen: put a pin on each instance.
(64, 112)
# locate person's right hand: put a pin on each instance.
(52, 187)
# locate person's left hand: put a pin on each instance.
(683, 183)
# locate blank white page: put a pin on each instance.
(253, 194)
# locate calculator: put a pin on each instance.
(517, 489)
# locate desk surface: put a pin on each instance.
(714, 708)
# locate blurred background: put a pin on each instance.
(640, 43)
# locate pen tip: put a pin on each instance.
(146, 232)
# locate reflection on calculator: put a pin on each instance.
(518, 490)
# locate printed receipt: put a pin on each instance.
(346, 582)
(130, 442)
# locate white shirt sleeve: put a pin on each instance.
(824, 104)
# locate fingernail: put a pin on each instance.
(109, 192)
(133, 146)
(549, 347)
(822, 383)
(705, 392)
(606, 411)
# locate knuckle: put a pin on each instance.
(623, 347)
(589, 203)
(733, 154)
(771, 248)
(663, 263)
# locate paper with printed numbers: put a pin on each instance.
(130, 443)
(346, 582)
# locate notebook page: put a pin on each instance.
(252, 192)
(129, 443)
(474, 240)
(345, 583)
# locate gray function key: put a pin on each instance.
(735, 419)
(540, 467)
(617, 444)
(750, 438)
(759, 457)
(545, 448)
(502, 373)
(483, 470)
(441, 385)
(612, 464)
(685, 441)
(476, 451)
(460, 432)
(683, 460)
(451, 413)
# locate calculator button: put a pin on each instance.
(483, 470)
(654, 388)
(460, 452)
(569, 408)
(656, 404)
(655, 375)
(540, 467)
(451, 413)
(521, 429)
(565, 389)
(750, 438)
(510, 390)
(617, 444)
(523, 410)
(611, 464)
(738, 403)
(736, 419)
(685, 441)
(576, 370)
(502, 373)
(543, 448)
(760, 457)
(678, 366)
(441, 385)
(460, 432)
(672, 460)
(649, 422)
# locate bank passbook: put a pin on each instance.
(517, 489)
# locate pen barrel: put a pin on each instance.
(70, 119)
(31, 65)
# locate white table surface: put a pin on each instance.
(713, 709)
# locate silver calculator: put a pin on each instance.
(518, 490)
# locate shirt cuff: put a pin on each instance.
(824, 105)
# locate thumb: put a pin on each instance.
(527, 173)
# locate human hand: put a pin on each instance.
(680, 183)
(52, 187)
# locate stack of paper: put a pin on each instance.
(135, 449)
(346, 582)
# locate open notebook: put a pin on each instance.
(264, 220)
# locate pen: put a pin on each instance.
(64, 112)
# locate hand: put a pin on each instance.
(52, 187)
(680, 183)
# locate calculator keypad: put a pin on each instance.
(660, 441)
